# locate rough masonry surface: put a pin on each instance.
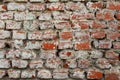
(59, 39)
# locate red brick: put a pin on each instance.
(113, 35)
(117, 15)
(95, 5)
(74, 6)
(98, 25)
(49, 45)
(3, 7)
(116, 45)
(94, 74)
(84, 63)
(65, 44)
(111, 76)
(77, 24)
(86, 45)
(82, 35)
(62, 24)
(66, 35)
(98, 34)
(36, 6)
(112, 55)
(55, 6)
(104, 44)
(112, 5)
(86, 15)
(105, 15)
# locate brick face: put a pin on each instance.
(59, 40)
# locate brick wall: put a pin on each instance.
(60, 39)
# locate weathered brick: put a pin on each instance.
(62, 24)
(116, 45)
(94, 74)
(13, 53)
(77, 73)
(66, 35)
(33, 45)
(103, 63)
(36, 0)
(60, 73)
(4, 63)
(24, 16)
(117, 15)
(3, 7)
(53, 63)
(2, 24)
(84, 63)
(74, 6)
(55, 6)
(64, 44)
(6, 15)
(49, 45)
(17, 63)
(2, 73)
(84, 45)
(13, 73)
(66, 54)
(16, 6)
(82, 35)
(19, 34)
(52, 0)
(70, 63)
(61, 15)
(45, 16)
(4, 34)
(36, 64)
(28, 74)
(36, 6)
(111, 54)
(28, 54)
(79, 24)
(2, 43)
(21, 0)
(37, 35)
(18, 44)
(48, 54)
(46, 25)
(10, 24)
(98, 24)
(50, 35)
(98, 34)
(44, 73)
(113, 35)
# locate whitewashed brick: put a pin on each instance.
(18, 44)
(4, 63)
(96, 54)
(6, 15)
(46, 74)
(13, 73)
(2, 54)
(53, 0)
(36, 0)
(53, 63)
(33, 45)
(19, 34)
(19, 63)
(28, 74)
(16, 6)
(10, 24)
(45, 16)
(2, 73)
(21, 0)
(24, 16)
(46, 25)
(36, 64)
(4, 34)
(82, 54)
(2, 24)
(2, 43)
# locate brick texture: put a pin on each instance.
(59, 39)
